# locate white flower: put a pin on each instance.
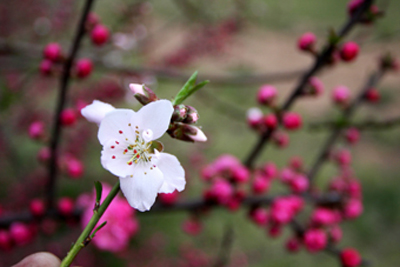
(127, 138)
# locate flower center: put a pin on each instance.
(141, 148)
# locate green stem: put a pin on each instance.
(82, 240)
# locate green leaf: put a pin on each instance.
(188, 89)
(99, 189)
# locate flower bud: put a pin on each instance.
(316, 86)
(186, 132)
(46, 67)
(52, 52)
(180, 113)
(266, 95)
(350, 257)
(5, 240)
(260, 184)
(315, 240)
(74, 168)
(192, 116)
(270, 121)
(68, 117)
(341, 95)
(36, 130)
(254, 117)
(293, 244)
(372, 95)
(352, 135)
(192, 226)
(349, 51)
(20, 233)
(99, 35)
(281, 139)
(142, 93)
(84, 68)
(292, 121)
(353, 209)
(299, 183)
(169, 199)
(37, 207)
(65, 206)
(259, 216)
(307, 41)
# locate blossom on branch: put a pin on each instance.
(131, 152)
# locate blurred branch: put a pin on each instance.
(62, 97)
(347, 113)
(321, 60)
(363, 125)
(34, 52)
(226, 247)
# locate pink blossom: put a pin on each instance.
(350, 257)
(52, 52)
(121, 223)
(341, 94)
(20, 233)
(266, 94)
(259, 216)
(349, 51)
(315, 240)
(292, 121)
(299, 183)
(99, 34)
(192, 226)
(352, 135)
(254, 117)
(317, 87)
(307, 41)
(353, 209)
(324, 216)
(270, 121)
(260, 184)
(36, 130)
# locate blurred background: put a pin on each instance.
(238, 46)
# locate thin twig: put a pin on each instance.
(347, 113)
(62, 97)
(226, 247)
(319, 63)
(363, 125)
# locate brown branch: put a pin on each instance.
(320, 62)
(347, 113)
(62, 97)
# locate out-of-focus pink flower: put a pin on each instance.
(307, 41)
(353, 209)
(259, 216)
(121, 223)
(349, 51)
(99, 34)
(315, 240)
(299, 183)
(317, 87)
(52, 52)
(192, 226)
(350, 257)
(20, 233)
(292, 121)
(324, 216)
(352, 135)
(341, 95)
(254, 117)
(293, 244)
(266, 94)
(36, 130)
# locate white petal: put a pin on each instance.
(136, 88)
(115, 161)
(96, 111)
(199, 136)
(141, 189)
(155, 116)
(115, 125)
(174, 174)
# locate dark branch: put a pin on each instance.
(62, 97)
(321, 61)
